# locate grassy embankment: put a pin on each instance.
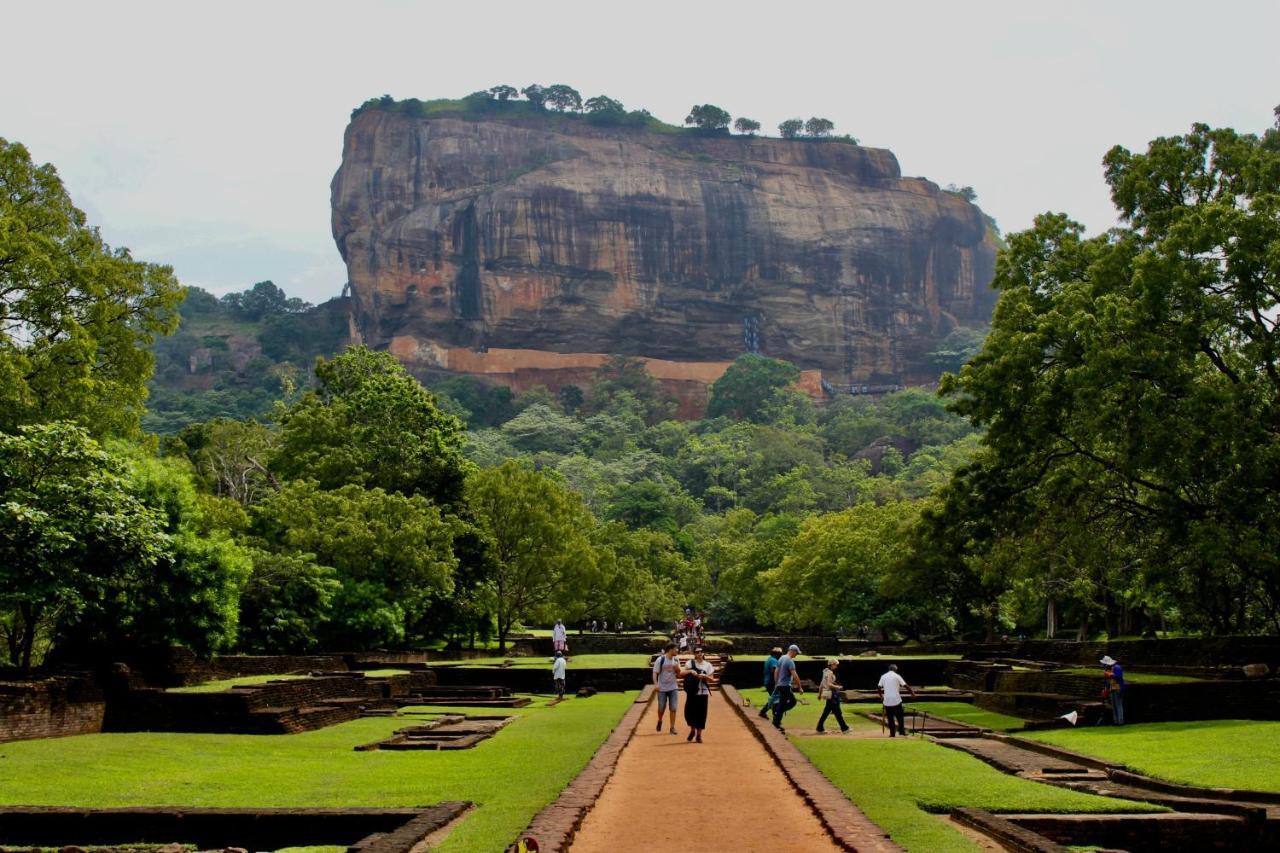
(905, 784)
(1214, 753)
(511, 777)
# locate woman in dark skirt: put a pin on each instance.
(697, 694)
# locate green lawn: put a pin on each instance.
(964, 712)
(1132, 677)
(603, 661)
(898, 782)
(1217, 753)
(511, 777)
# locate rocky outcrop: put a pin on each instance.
(530, 249)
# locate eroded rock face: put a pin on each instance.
(528, 250)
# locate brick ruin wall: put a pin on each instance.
(55, 707)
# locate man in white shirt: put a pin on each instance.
(666, 674)
(890, 690)
(559, 637)
(559, 666)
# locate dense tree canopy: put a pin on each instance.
(369, 422)
(76, 316)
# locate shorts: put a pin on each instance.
(668, 698)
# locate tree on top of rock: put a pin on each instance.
(791, 128)
(535, 94)
(561, 98)
(504, 92)
(748, 126)
(819, 127)
(708, 117)
(602, 105)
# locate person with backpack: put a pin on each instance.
(697, 694)
(666, 672)
(770, 675)
(788, 684)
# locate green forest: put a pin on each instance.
(226, 474)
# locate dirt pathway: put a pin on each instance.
(724, 794)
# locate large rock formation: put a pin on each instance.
(528, 249)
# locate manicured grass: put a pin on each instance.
(964, 712)
(1133, 677)
(604, 661)
(510, 776)
(1216, 753)
(896, 782)
(228, 683)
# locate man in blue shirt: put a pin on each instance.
(1115, 687)
(787, 684)
(770, 670)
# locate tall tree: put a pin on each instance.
(538, 536)
(745, 388)
(504, 92)
(791, 128)
(819, 127)
(371, 423)
(76, 316)
(69, 532)
(1146, 361)
(748, 126)
(535, 95)
(563, 98)
(707, 117)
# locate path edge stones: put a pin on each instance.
(557, 823)
(848, 826)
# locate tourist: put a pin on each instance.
(666, 672)
(558, 667)
(787, 685)
(1114, 691)
(697, 694)
(770, 671)
(890, 690)
(830, 691)
(559, 637)
(593, 626)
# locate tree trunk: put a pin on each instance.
(1051, 618)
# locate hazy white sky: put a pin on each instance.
(205, 135)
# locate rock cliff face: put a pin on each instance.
(529, 249)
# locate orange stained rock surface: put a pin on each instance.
(723, 794)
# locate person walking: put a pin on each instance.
(770, 675)
(829, 690)
(786, 686)
(697, 694)
(666, 672)
(559, 637)
(890, 690)
(558, 668)
(1114, 691)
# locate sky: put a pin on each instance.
(205, 135)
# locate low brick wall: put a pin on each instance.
(251, 829)
(1187, 651)
(997, 689)
(53, 707)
